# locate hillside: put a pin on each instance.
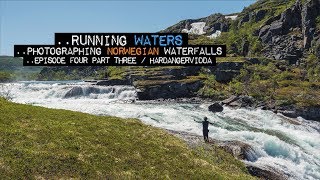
(39, 143)
(282, 30)
(273, 55)
(12, 68)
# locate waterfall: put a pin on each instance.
(31, 92)
(291, 146)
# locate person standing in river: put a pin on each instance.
(205, 130)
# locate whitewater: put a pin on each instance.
(289, 145)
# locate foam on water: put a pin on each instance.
(289, 145)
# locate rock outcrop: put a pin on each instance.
(114, 82)
(215, 107)
(310, 113)
(226, 71)
(266, 173)
(291, 111)
(170, 90)
(289, 35)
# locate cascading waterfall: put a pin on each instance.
(289, 145)
(37, 91)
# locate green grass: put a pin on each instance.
(37, 142)
(230, 59)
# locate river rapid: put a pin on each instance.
(290, 145)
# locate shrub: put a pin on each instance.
(5, 76)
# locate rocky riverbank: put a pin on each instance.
(291, 111)
(237, 149)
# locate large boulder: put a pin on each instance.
(74, 91)
(215, 107)
(266, 173)
(238, 150)
(312, 113)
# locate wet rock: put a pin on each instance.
(80, 91)
(238, 149)
(240, 101)
(75, 91)
(215, 107)
(244, 151)
(310, 113)
(289, 113)
(266, 173)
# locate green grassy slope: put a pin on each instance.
(37, 142)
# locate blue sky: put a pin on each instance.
(35, 22)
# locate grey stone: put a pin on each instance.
(215, 107)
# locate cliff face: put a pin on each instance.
(284, 29)
(293, 32)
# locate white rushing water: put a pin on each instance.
(290, 145)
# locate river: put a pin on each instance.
(289, 145)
